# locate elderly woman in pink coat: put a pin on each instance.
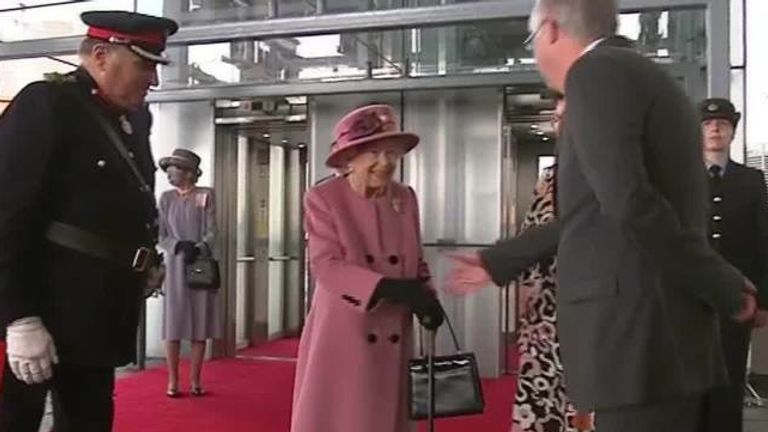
(366, 257)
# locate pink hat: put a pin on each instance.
(364, 126)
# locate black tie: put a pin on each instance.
(715, 171)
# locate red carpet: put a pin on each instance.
(255, 396)
(243, 396)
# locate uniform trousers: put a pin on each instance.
(82, 401)
(724, 406)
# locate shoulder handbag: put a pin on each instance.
(444, 386)
(203, 273)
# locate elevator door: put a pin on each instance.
(264, 181)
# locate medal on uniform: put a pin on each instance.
(125, 125)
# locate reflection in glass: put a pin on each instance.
(197, 12)
(26, 22)
(677, 35)
(473, 48)
(18, 73)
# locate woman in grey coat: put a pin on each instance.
(187, 229)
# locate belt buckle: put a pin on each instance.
(141, 260)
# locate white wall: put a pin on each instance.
(187, 125)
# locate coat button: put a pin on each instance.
(395, 338)
(372, 338)
(393, 259)
(101, 163)
(369, 259)
(717, 199)
(717, 218)
(716, 236)
(131, 155)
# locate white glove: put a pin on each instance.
(31, 352)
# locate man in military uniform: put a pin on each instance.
(78, 225)
(738, 230)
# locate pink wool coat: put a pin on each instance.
(352, 367)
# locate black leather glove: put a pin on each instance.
(188, 248)
(402, 291)
(414, 294)
(429, 311)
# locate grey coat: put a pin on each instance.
(639, 287)
(188, 314)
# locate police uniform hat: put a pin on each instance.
(182, 158)
(718, 108)
(145, 35)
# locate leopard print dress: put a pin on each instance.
(540, 403)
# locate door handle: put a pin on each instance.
(283, 258)
(246, 259)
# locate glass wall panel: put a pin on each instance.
(22, 20)
(676, 35)
(737, 32)
(195, 12)
(190, 12)
(757, 86)
(18, 73)
(668, 36)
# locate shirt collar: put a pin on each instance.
(593, 45)
(721, 161)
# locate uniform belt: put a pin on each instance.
(72, 237)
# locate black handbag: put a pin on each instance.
(444, 386)
(203, 273)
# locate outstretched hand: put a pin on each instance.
(467, 275)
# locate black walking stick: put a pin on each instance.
(431, 337)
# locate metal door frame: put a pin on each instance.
(225, 184)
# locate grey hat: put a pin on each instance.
(184, 159)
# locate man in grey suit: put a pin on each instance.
(639, 288)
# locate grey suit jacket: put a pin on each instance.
(508, 258)
(639, 288)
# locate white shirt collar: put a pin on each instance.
(593, 45)
(720, 159)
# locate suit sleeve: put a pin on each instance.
(607, 133)
(762, 247)
(506, 260)
(28, 137)
(353, 283)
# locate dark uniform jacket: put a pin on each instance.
(639, 287)
(739, 225)
(57, 164)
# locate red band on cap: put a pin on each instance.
(156, 38)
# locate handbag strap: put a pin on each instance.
(119, 145)
(450, 328)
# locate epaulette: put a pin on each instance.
(59, 78)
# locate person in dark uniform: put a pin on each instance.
(78, 225)
(738, 230)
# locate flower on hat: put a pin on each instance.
(367, 125)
